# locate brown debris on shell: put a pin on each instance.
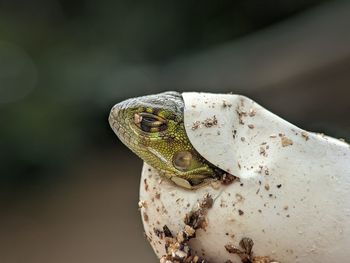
(177, 248)
(245, 252)
(262, 151)
(228, 179)
(241, 114)
(145, 216)
(225, 104)
(196, 125)
(142, 204)
(305, 135)
(146, 184)
(286, 141)
(252, 112)
(264, 260)
(208, 123)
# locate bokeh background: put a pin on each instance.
(68, 187)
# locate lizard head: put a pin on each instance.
(153, 128)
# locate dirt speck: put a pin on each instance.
(226, 104)
(228, 179)
(263, 260)
(190, 231)
(267, 172)
(145, 217)
(262, 151)
(305, 135)
(264, 169)
(251, 126)
(167, 231)
(241, 114)
(142, 204)
(196, 125)
(252, 112)
(286, 141)
(210, 122)
(159, 233)
(239, 197)
(245, 252)
(146, 184)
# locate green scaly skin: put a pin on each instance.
(159, 136)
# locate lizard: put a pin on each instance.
(153, 128)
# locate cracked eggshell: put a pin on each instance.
(293, 198)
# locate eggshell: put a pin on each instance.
(293, 197)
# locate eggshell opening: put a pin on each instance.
(293, 197)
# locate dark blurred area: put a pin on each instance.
(68, 187)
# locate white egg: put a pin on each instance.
(292, 198)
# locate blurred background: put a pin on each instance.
(68, 187)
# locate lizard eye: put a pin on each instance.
(148, 122)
